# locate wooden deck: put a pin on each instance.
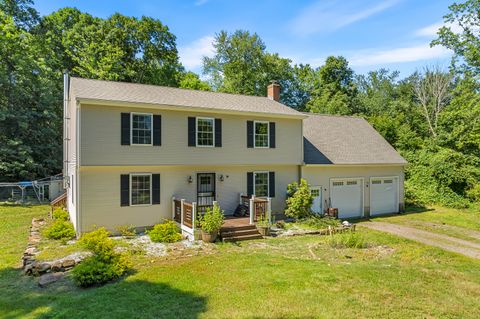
(238, 228)
(233, 222)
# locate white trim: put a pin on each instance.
(395, 177)
(254, 134)
(159, 106)
(362, 187)
(130, 188)
(196, 130)
(268, 182)
(131, 128)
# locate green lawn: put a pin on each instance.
(453, 222)
(297, 277)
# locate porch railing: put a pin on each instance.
(259, 207)
(184, 213)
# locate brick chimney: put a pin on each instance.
(273, 91)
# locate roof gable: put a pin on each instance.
(345, 140)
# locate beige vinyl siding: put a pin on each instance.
(100, 140)
(100, 189)
(321, 175)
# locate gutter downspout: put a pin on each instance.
(66, 97)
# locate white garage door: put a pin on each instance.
(383, 195)
(346, 195)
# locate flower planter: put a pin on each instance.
(264, 230)
(209, 238)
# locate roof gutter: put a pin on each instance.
(168, 107)
(356, 164)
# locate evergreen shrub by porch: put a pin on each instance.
(299, 201)
(212, 220)
(166, 232)
(60, 229)
(104, 265)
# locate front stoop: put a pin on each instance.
(238, 233)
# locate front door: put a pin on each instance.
(205, 191)
(316, 192)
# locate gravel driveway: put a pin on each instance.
(449, 243)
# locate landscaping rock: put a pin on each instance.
(68, 263)
(42, 267)
(50, 278)
(57, 266)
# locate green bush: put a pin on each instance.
(347, 240)
(299, 201)
(60, 214)
(105, 264)
(99, 243)
(474, 193)
(212, 220)
(60, 229)
(127, 230)
(94, 270)
(166, 232)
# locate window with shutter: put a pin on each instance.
(141, 129)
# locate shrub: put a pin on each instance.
(212, 220)
(60, 229)
(299, 202)
(99, 243)
(474, 193)
(94, 270)
(104, 265)
(60, 214)
(347, 240)
(127, 230)
(280, 224)
(165, 233)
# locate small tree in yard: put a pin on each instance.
(299, 201)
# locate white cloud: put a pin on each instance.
(326, 16)
(380, 57)
(192, 54)
(432, 29)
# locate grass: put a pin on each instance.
(295, 277)
(447, 221)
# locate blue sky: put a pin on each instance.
(371, 34)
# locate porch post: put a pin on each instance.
(252, 209)
(269, 209)
(194, 215)
(173, 207)
(182, 201)
(240, 199)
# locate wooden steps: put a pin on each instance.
(240, 232)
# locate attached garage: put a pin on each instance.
(384, 195)
(347, 196)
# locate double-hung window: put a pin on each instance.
(141, 129)
(261, 134)
(261, 187)
(205, 132)
(140, 189)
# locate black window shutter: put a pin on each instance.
(125, 140)
(124, 190)
(250, 134)
(157, 130)
(191, 132)
(272, 134)
(250, 183)
(155, 189)
(218, 133)
(271, 184)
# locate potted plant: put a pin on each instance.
(263, 226)
(211, 222)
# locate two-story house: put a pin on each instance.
(130, 148)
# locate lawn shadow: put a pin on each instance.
(21, 297)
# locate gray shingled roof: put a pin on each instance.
(345, 140)
(153, 94)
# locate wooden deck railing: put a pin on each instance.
(184, 213)
(177, 210)
(259, 207)
(60, 201)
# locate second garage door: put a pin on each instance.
(383, 195)
(346, 195)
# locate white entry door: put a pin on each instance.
(316, 192)
(346, 195)
(383, 195)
